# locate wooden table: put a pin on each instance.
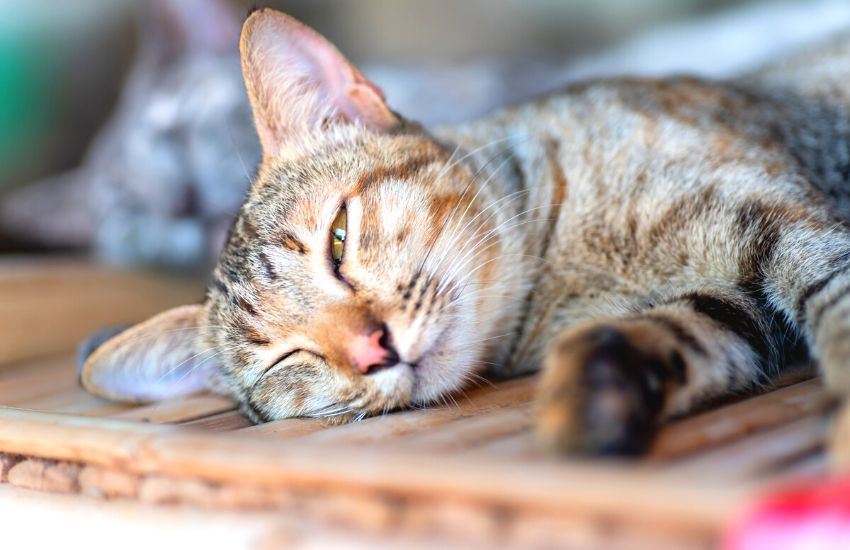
(462, 474)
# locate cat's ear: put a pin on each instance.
(157, 359)
(297, 80)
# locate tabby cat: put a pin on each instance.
(649, 244)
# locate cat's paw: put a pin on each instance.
(833, 348)
(601, 393)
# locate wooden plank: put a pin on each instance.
(556, 486)
(75, 400)
(740, 419)
(477, 401)
(181, 409)
(68, 300)
(116, 440)
(222, 422)
(35, 379)
(515, 446)
(291, 427)
(760, 453)
(472, 431)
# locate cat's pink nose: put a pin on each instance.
(371, 352)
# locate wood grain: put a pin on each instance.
(477, 401)
(283, 429)
(50, 306)
(472, 431)
(759, 454)
(466, 471)
(221, 422)
(34, 379)
(181, 409)
(740, 419)
(556, 486)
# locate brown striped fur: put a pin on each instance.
(653, 244)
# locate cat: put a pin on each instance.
(649, 244)
(160, 184)
(161, 181)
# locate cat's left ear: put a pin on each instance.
(297, 80)
(160, 358)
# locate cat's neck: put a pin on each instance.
(517, 172)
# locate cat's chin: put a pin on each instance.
(438, 378)
(427, 382)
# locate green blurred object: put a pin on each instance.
(60, 67)
(27, 106)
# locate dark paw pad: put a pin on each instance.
(617, 410)
(614, 400)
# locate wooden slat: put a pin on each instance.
(516, 446)
(477, 401)
(472, 431)
(75, 400)
(49, 306)
(292, 427)
(446, 463)
(222, 422)
(734, 421)
(593, 488)
(759, 454)
(181, 409)
(36, 379)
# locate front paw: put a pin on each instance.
(833, 349)
(601, 393)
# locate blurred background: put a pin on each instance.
(124, 129)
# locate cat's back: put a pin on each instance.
(611, 160)
(611, 133)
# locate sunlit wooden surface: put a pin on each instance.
(467, 473)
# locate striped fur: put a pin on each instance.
(653, 244)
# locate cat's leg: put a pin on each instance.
(810, 283)
(825, 312)
(608, 383)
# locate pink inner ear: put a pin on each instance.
(285, 59)
(340, 82)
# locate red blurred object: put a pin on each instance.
(812, 515)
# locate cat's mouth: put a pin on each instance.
(437, 346)
(434, 349)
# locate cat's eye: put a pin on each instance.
(338, 230)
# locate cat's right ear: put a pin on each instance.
(160, 358)
(297, 81)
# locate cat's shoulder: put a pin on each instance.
(702, 105)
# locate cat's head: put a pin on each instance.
(169, 169)
(359, 275)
